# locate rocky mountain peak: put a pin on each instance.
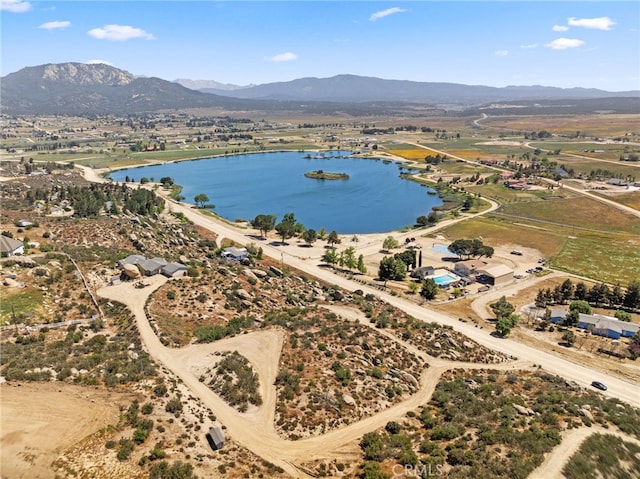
(86, 74)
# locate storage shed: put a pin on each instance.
(215, 438)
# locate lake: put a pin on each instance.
(373, 200)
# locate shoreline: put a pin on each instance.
(103, 172)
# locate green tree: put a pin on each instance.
(361, 266)
(389, 243)
(264, 223)
(392, 269)
(333, 239)
(566, 291)
(580, 306)
(201, 199)
(632, 295)
(571, 318)
(623, 315)
(422, 220)
(569, 337)
(429, 289)
(177, 470)
(348, 258)
(310, 236)
(502, 308)
(330, 257)
(287, 227)
(504, 325)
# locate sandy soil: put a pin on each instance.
(40, 420)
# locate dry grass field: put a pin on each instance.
(588, 125)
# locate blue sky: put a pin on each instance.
(554, 43)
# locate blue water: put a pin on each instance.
(374, 198)
(444, 279)
(443, 249)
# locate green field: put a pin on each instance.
(600, 257)
(19, 303)
(579, 212)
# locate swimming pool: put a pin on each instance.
(442, 249)
(445, 279)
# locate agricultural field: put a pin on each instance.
(608, 126)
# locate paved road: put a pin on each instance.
(583, 375)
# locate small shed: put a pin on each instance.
(215, 438)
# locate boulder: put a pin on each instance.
(131, 271)
(276, 271)
(259, 273)
(348, 400)
(586, 414)
(243, 294)
(520, 409)
(249, 274)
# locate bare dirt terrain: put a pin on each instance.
(40, 420)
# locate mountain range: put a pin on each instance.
(97, 89)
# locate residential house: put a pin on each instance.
(10, 246)
(235, 254)
(599, 325)
(153, 266)
(174, 270)
(422, 272)
(131, 259)
(468, 267)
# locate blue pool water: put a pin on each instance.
(442, 249)
(445, 279)
(373, 200)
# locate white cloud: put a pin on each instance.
(560, 28)
(99, 62)
(119, 33)
(385, 13)
(55, 25)
(502, 53)
(600, 23)
(15, 6)
(564, 43)
(283, 57)
(529, 46)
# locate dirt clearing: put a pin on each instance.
(40, 420)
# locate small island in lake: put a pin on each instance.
(324, 175)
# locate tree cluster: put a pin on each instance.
(599, 294)
(470, 248)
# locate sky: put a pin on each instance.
(570, 43)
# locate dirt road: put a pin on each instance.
(256, 429)
(572, 439)
(583, 375)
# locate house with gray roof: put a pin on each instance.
(174, 270)
(599, 325)
(153, 266)
(10, 246)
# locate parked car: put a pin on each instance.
(599, 385)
